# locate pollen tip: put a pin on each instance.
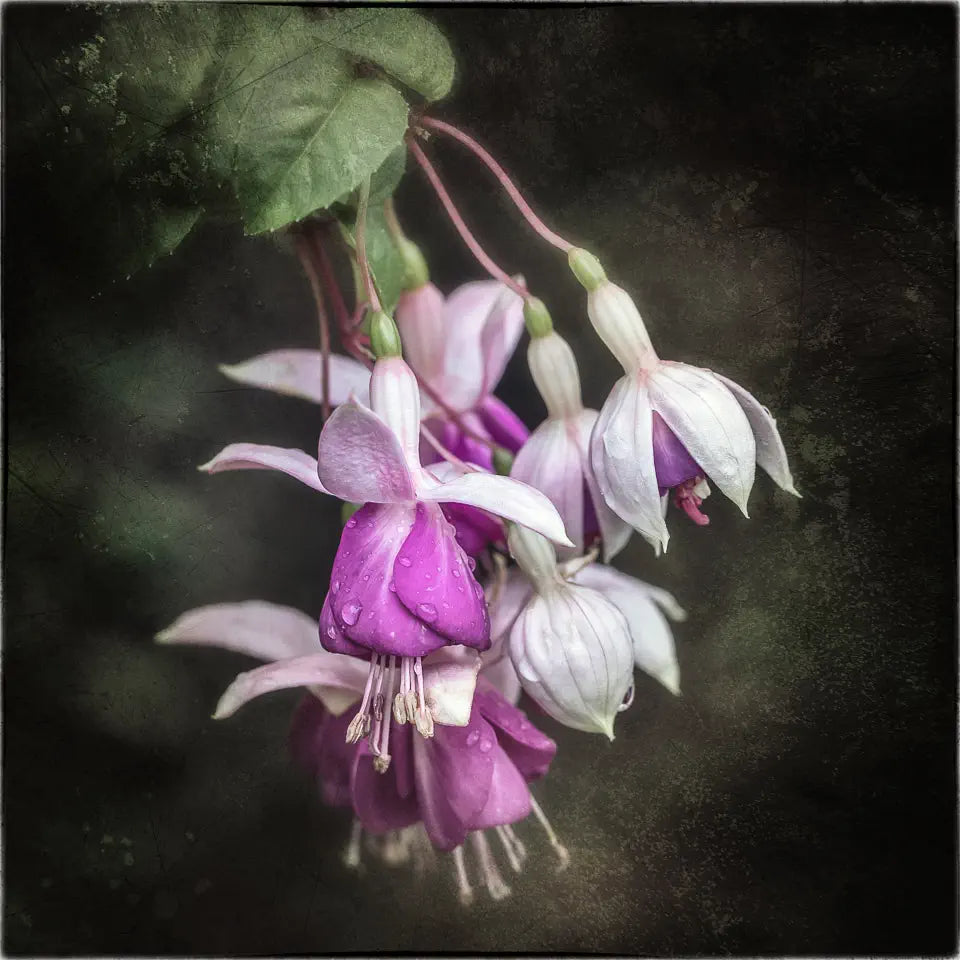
(227, 369)
(164, 636)
(206, 467)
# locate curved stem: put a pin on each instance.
(462, 228)
(329, 279)
(361, 246)
(447, 455)
(505, 181)
(452, 414)
(303, 251)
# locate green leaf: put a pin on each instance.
(386, 264)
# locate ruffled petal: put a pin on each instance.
(708, 421)
(454, 770)
(550, 461)
(614, 532)
(529, 750)
(503, 497)
(259, 629)
(475, 529)
(621, 454)
(323, 668)
(503, 425)
(363, 595)
(360, 459)
(299, 373)
(509, 798)
(332, 637)
(654, 650)
(435, 583)
(257, 456)
(770, 452)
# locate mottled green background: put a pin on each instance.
(775, 187)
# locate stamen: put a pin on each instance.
(382, 763)
(396, 847)
(560, 849)
(508, 848)
(518, 846)
(491, 875)
(423, 718)
(465, 891)
(360, 724)
(351, 856)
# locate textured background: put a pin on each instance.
(775, 187)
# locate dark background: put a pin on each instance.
(775, 187)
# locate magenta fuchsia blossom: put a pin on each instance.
(670, 426)
(465, 779)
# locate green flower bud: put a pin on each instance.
(347, 510)
(384, 336)
(537, 317)
(502, 461)
(415, 270)
(586, 268)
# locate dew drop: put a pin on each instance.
(478, 590)
(456, 572)
(471, 563)
(405, 562)
(336, 586)
(366, 576)
(472, 737)
(460, 588)
(351, 523)
(350, 613)
(332, 633)
(486, 745)
(392, 587)
(427, 611)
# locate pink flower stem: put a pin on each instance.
(452, 414)
(361, 247)
(445, 453)
(462, 228)
(505, 181)
(304, 252)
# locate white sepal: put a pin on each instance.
(615, 317)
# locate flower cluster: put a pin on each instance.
(427, 634)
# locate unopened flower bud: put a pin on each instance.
(384, 336)
(347, 510)
(502, 461)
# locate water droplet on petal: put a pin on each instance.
(460, 588)
(366, 576)
(486, 745)
(336, 586)
(332, 633)
(350, 613)
(478, 590)
(456, 572)
(472, 737)
(427, 611)
(471, 563)
(405, 561)
(392, 587)
(351, 523)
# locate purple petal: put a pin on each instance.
(318, 743)
(475, 529)
(509, 797)
(366, 610)
(332, 637)
(671, 458)
(257, 456)
(259, 629)
(435, 583)
(529, 750)
(299, 373)
(385, 801)
(469, 449)
(454, 770)
(503, 425)
(360, 459)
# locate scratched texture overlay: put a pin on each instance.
(775, 186)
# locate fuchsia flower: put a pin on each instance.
(467, 778)
(401, 586)
(670, 426)
(556, 457)
(574, 631)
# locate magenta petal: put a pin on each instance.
(454, 770)
(528, 749)
(377, 798)
(434, 581)
(318, 743)
(475, 529)
(503, 425)
(671, 458)
(332, 637)
(363, 596)
(509, 797)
